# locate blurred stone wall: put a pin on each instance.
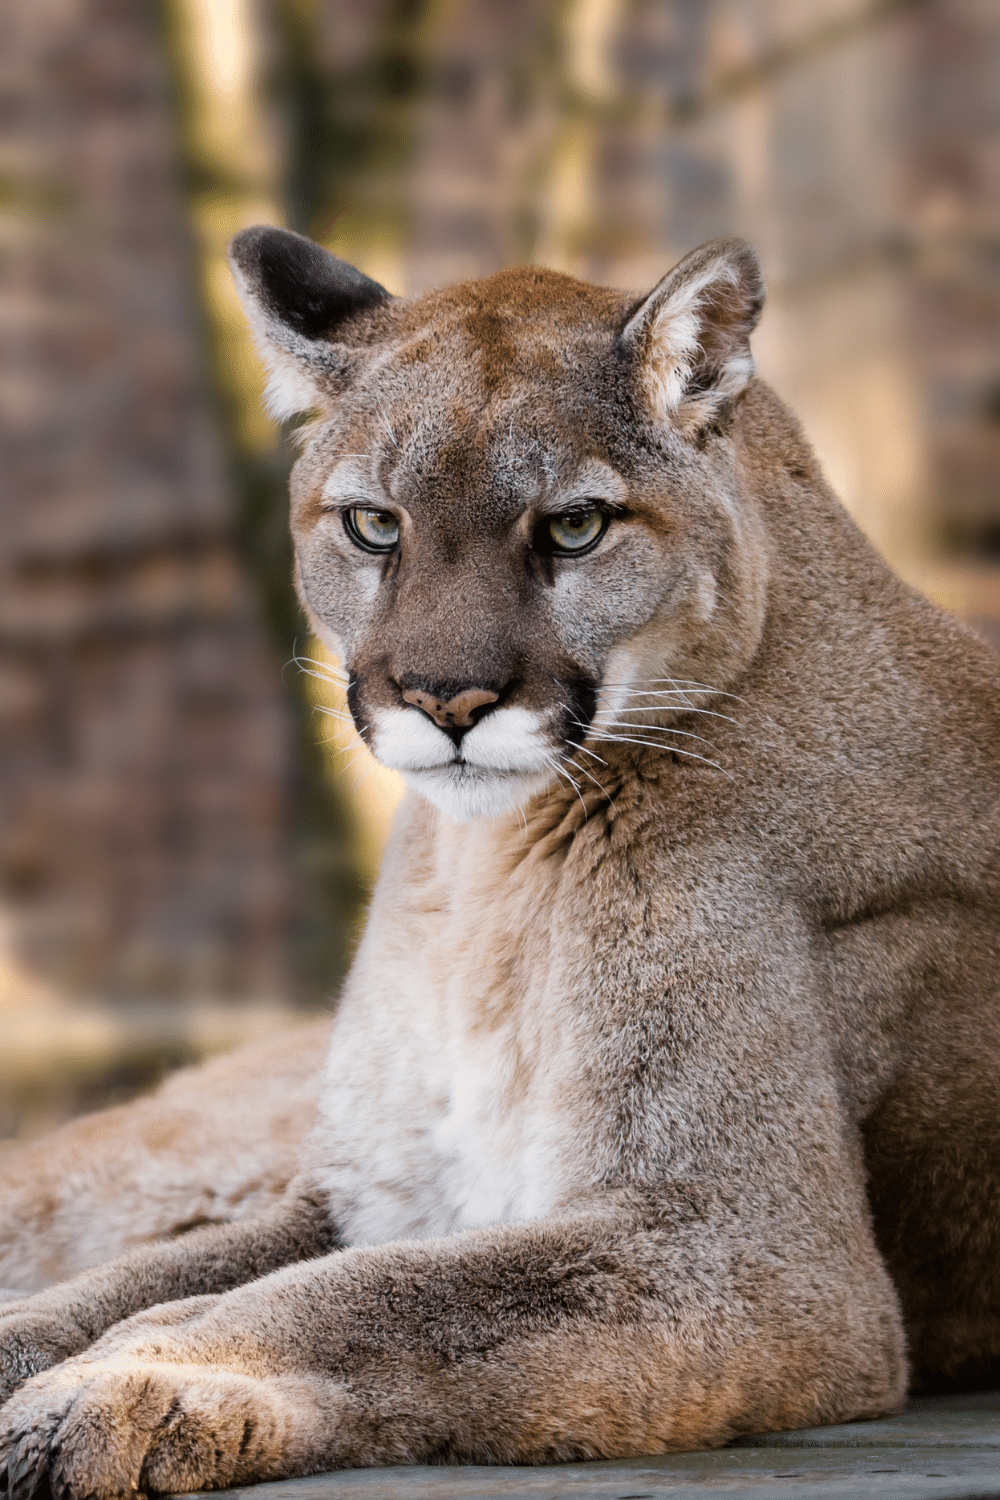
(856, 141)
(144, 735)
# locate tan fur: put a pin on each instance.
(213, 1144)
(683, 959)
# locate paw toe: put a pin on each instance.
(25, 1471)
(209, 1439)
(95, 1432)
(24, 1450)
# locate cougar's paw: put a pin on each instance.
(97, 1430)
(30, 1342)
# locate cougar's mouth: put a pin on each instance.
(501, 762)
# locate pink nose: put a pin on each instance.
(458, 712)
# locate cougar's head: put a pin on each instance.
(520, 505)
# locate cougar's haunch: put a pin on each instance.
(661, 1103)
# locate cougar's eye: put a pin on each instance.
(373, 530)
(575, 531)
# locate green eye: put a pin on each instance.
(576, 530)
(373, 530)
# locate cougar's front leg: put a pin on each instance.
(597, 1335)
(39, 1331)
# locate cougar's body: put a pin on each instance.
(661, 1100)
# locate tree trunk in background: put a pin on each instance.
(145, 736)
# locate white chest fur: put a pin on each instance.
(449, 1101)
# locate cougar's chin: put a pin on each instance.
(500, 765)
(465, 791)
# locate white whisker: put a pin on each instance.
(654, 692)
(646, 729)
(358, 758)
(328, 677)
(334, 713)
(660, 708)
(592, 753)
(386, 423)
(320, 670)
(602, 789)
(684, 706)
(654, 729)
(654, 745)
(359, 781)
(324, 666)
(555, 766)
(672, 684)
(680, 685)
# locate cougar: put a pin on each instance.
(661, 1103)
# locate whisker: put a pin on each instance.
(552, 761)
(676, 685)
(680, 685)
(591, 753)
(579, 723)
(342, 718)
(655, 729)
(669, 693)
(385, 423)
(691, 708)
(659, 708)
(358, 758)
(602, 789)
(334, 713)
(331, 677)
(334, 678)
(555, 766)
(646, 729)
(653, 745)
(684, 682)
(359, 781)
(326, 666)
(653, 692)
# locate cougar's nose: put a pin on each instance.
(457, 713)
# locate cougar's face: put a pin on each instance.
(496, 528)
(475, 591)
(483, 561)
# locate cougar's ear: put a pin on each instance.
(690, 337)
(297, 295)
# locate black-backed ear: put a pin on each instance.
(297, 296)
(691, 336)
